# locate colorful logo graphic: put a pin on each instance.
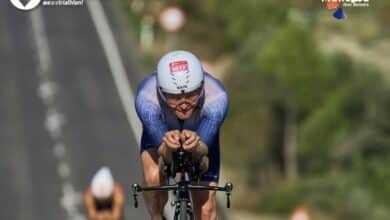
(336, 6)
(333, 4)
(339, 13)
(179, 67)
(339, 5)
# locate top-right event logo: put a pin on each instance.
(338, 5)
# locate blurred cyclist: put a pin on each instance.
(181, 104)
(104, 199)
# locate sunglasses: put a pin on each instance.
(191, 97)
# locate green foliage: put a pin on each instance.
(346, 119)
(282, 199)
(250, 119)
(249, 16)
(295, 71)
(246, 128)
(346, 124)
(342, 196)
(205, 20)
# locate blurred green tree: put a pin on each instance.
(297, 78)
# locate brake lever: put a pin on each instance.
(228, 189)
(136, 189)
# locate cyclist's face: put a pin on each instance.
(183, 104)
(103, 200)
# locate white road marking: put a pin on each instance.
(70, 200)
(119, 73)
(41, 41)
(63, 170)
(47, 91)
(54, 123)
(116, 65)
(59, 150)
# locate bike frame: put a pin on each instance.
(183, 187)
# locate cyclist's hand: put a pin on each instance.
(171, 139)
(190, 140)
(104, 215)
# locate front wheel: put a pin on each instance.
(183, 211)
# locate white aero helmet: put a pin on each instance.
(179, 72)
(102, 184)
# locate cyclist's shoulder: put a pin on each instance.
(148, 83)
(88, 197)
(146, 90)
(146, 98)
(118, 187)
(118, 193)
(212, 83)
(215, 91)
(88, 191)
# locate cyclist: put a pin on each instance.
(180, 104)
(104, 199)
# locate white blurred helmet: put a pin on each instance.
(179, 72)
(102, 183)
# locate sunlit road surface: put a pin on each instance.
(61, 114)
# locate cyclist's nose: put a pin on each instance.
(184, 105)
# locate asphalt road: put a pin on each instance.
(62, 120)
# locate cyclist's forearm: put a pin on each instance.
(203, 149)
(165, 153)
(117, 211)
(117, 214)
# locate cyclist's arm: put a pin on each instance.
(150, 115)
(90, 204)
(118, 202)
(212, 119)
(104, 215)
(164, 152)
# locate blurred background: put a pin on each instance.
(306, 137)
